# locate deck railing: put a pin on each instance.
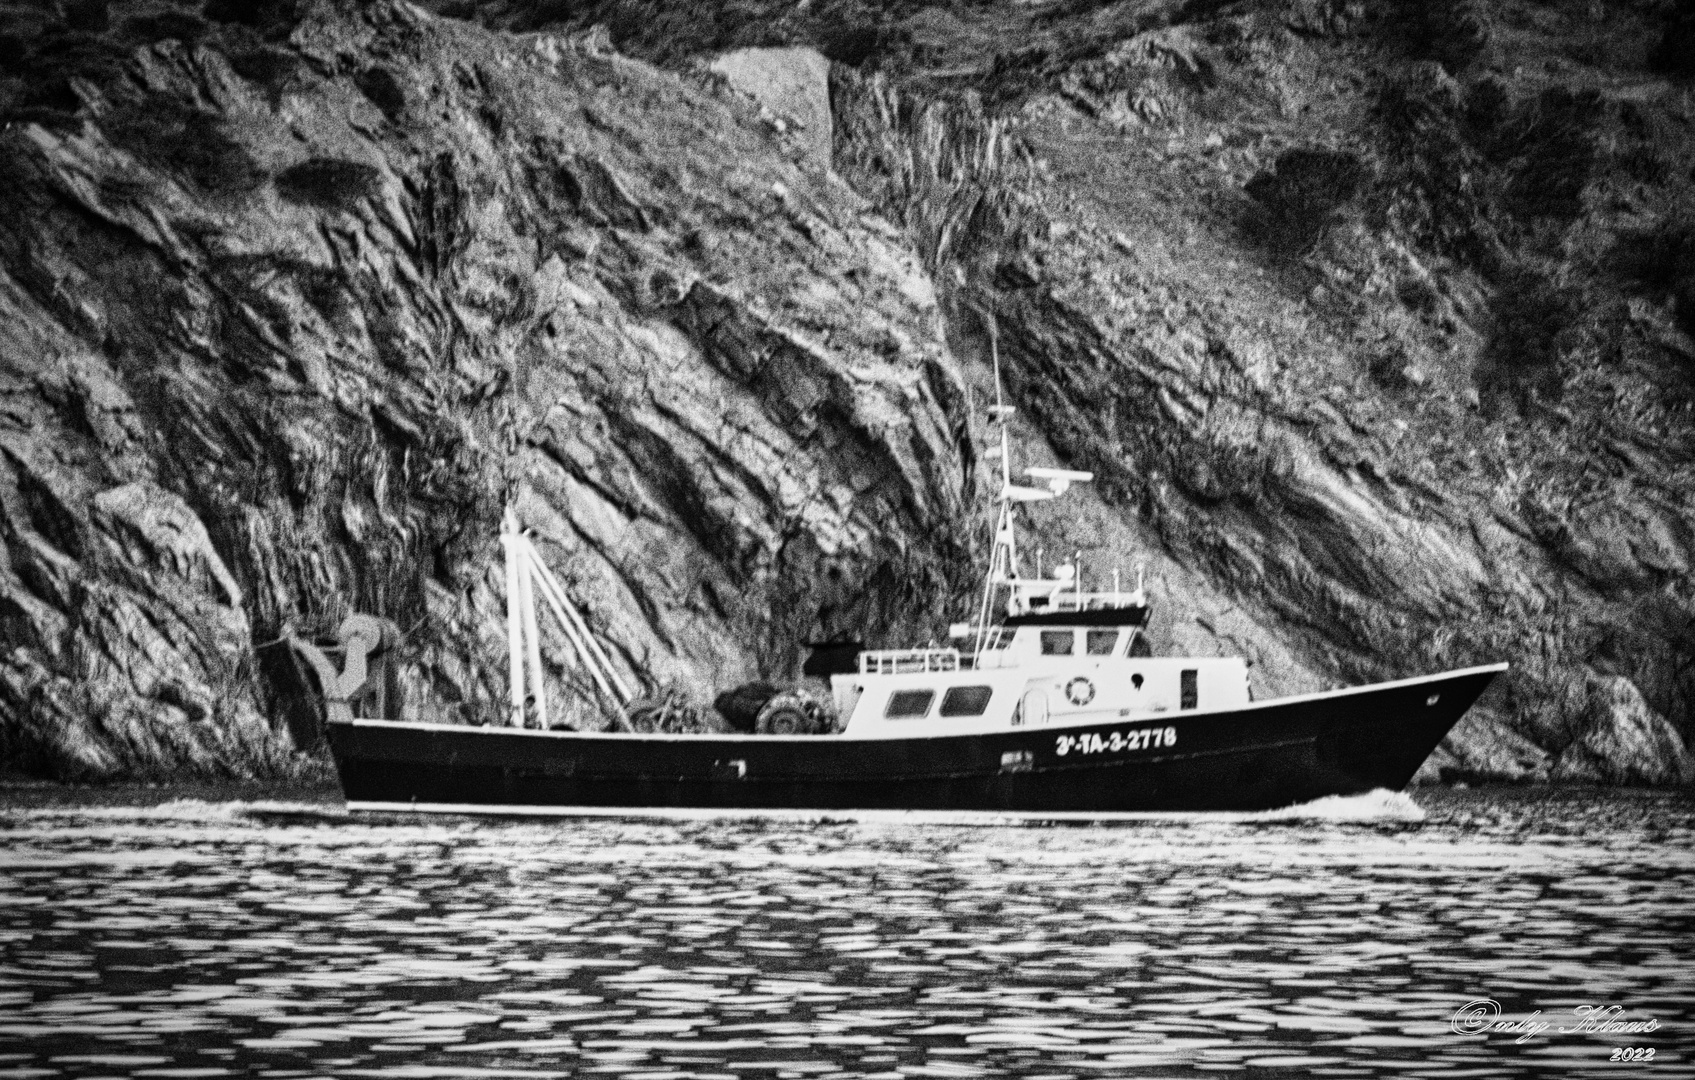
(905, 661)
(1035, 600)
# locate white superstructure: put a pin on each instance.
(949, 696)
(1063, 655)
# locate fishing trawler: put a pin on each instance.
(1047, 702)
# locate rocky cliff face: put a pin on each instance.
(288, 314)
(1373, 317)
(1373, 321)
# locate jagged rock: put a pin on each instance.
(520, 271)
(1347, 528)
(1322, 18)
(1485, 746)
(793, 83)
(158, 530)
(1147, 79)
(1620, 740)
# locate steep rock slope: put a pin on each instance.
(1374, 317)
(291, 308)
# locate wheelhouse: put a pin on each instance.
(1032, 674)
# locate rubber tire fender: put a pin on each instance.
(786, 719)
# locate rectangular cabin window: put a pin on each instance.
(909, 704)
(1102, 642)
(1059, 642)
(1189, 691)
(966, 700)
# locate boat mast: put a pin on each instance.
(1003, 559)
(526, 576)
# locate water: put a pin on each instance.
(200, 939)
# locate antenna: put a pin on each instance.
(1001, 410)
(1003, 557)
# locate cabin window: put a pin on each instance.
(1059, 642)
(1189, 691)
(909, 704)
(966, 700)
(1102, 642)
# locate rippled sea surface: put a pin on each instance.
(203, 939)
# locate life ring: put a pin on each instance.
(1080, 691)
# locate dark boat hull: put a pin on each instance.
(1268, 755)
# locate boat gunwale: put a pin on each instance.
(747, 737)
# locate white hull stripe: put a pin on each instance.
(985, 818)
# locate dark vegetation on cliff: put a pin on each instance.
(1376, 320)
